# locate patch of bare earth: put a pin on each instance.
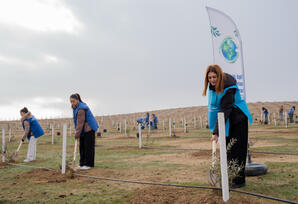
(273, 158)
(168, 195)
(188, 144)
(43, 176)
(3, 165)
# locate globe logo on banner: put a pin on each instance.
(229, 50)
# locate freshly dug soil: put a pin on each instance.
(168, 195)
(44, 176)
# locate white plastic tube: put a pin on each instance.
(3, 145)
(64, 149)
(140, 136)
(223, 158)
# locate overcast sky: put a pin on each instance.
(136, 55)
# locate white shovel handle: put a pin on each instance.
(75, 150)
(213, 152)
(19, 146)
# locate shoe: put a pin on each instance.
(27, 160)
(85, 168)
(79, 167)
(234, 185)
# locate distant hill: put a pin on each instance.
(177, 114)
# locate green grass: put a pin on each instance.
(280, 181)
(283, 148)
(114, 156)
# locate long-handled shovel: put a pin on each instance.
(15, 155)
(212, 177)
(74, 155)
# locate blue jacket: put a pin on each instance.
(291, 111)
(35, 128)
(147, 119)
(155, 120)
(214, 106)
(140, 120)
(90, 119)
(265, 112)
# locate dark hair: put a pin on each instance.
(76, 96)
(294, 107)
(24, 110)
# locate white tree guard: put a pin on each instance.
(170, 127)
(64, 149)
(3, 145)
(53, 139)
(223, 158)
(140, 136)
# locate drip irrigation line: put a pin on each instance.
(168, 185)
(201, 149)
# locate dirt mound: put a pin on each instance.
(199, 154)
(3, 165)
(44, 176)
(167, 195)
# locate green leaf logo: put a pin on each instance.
(215, 32)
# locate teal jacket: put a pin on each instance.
(214, 106)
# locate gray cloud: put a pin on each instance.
(141, 55)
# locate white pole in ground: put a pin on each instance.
(286, 119)
(125, 127)
(120, 127)
(140, 136)
(3, 145)
(194, 122)
(170, 127)
(163, 125)
(9, 135)
(201, 121)
(269, 118)
(53, 134)
(274, 117)
(223, 157)
(261, 117)
(64, 149)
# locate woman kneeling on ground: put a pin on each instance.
(224, 96)
(85, 127)
(32, 130)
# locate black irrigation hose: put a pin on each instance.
(199, 149)
(178, 149)
(278, 153)
(168, 185)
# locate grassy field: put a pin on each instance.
(117, 156)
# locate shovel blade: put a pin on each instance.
(212, 179)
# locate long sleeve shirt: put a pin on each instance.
(27, 129)
(82, 124)
(226, 106)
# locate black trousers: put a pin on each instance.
(238, 151)
(87, 149)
